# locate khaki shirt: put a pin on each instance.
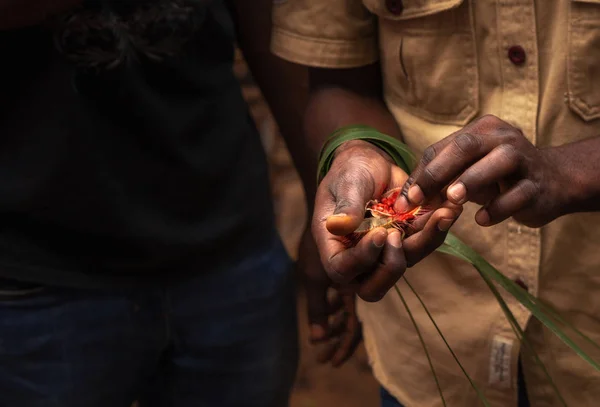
(533, 63)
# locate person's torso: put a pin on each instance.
(125, 144)
(536, 65)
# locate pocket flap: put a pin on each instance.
(407, 9)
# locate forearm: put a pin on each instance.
(579, 166)
(23, 13)
(344, 97)
(284, 85)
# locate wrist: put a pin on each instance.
(360, 147)
(562, 193)
(576, 187)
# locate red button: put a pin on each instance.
(394, 6)
(517, 55)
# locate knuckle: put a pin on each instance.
(343, 203)
(352, 179)
(529, 189)
(395, 266)
(341, 267)
(429, 154)
(507, 151)
(512, 135)
(516, 133)
(432, 175)
(509, 133)
(336, 275)
(467, 144)
(509, 154)
(492, 121)
(472, 178)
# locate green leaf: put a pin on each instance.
(423, 344)
(454, 246)
(521, 336)
(398, 151)
(480, 394)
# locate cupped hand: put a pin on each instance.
(359, 173)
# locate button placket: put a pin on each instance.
(517, 55)
(520, 81)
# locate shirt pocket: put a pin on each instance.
(428, 58)
(584, 59)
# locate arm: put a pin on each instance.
(24, 13)
(353, 96)
(283, 84)
(285, 88)
(337, 97)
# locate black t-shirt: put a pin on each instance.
(126, 149)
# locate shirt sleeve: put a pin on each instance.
(324, 33)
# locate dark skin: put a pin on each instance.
(334, 326)
(492, 163)
(331, 99)
(332, 316)
(359, 170)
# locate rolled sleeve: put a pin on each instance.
(324, 34)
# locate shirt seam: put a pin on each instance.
(327, 53)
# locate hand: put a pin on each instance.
(361, 172)
(491, 163)
(333, 322)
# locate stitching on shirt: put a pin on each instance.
(317, 40)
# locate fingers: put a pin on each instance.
(424, 242)
(347, 335)
(500, 163)
(521, 195)
(446, 160)
(345, 264)
(348, 345)
(387, 272)
(319, 309)
(452, 160)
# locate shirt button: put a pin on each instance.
(521, 284)
(517, 55)
(394, 6)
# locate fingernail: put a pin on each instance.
(415, 195)
(338, 215)
(457, 193)
(317, 331)
(445, 224)
(395, 239)
(401, 205)
(379, 239)
(482, 217)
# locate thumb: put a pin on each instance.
(350, 199)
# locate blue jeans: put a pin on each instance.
(387, 400)
(219, 339)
